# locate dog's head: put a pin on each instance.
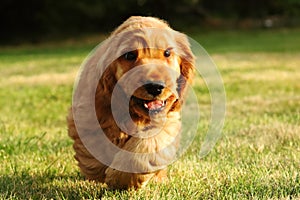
(154, 65)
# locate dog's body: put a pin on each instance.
(152, 127)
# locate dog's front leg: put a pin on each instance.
(135, 169)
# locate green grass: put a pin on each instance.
(258, 156)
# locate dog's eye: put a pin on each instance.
(167, 53)
(130, 56)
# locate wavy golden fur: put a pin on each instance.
(153, 106)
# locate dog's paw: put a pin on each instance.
(122, 180)
(161, 177)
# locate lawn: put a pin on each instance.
(257, 157)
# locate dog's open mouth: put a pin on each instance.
(152, 106)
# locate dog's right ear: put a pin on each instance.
(108, 80)
(99, 68)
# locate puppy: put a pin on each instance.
(125, 117)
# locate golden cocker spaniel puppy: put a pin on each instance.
(134, 86)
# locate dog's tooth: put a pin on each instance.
(146, 106)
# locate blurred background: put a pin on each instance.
(38, 20)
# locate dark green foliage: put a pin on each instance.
(37, 20)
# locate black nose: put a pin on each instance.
(154, 88)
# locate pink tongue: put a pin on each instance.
(153, 105)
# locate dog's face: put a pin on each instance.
(153, 79)
(158, 70)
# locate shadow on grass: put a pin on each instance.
(33, 186)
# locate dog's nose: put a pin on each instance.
(154, 89)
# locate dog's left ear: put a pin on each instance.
(187, 65)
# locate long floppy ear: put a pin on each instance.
(103, 61)
(187, 65)
(108, 80)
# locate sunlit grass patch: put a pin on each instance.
(257, 157)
